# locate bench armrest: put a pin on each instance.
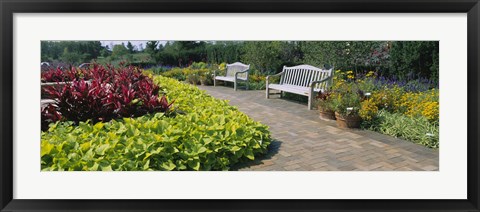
(313, 83)
(267, 79)
(241, 72)
(275, 75)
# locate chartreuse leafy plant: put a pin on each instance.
(208, 134)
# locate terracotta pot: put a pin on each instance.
(327, 115)
(348, 121)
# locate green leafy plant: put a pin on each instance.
(416, 129)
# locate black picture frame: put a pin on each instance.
(9, 7)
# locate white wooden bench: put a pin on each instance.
(235, 73)
(303, 80)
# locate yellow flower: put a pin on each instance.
(349, 72)
(370, 73)
(368, 110)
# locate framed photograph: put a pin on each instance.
(256, 106)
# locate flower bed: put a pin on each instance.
(409, 110)
(206, 134)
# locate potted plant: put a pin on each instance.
(347, 106)
(325, 105)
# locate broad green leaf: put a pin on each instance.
(168, 165)
(194, 164)
(46, 148)
(98, 126)
(100, 150)
(107, 168)
(249, 154)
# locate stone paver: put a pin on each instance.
(304, 142)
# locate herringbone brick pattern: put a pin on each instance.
(304, 142)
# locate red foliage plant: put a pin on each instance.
(60, 75)
(49, 115)
(323, 95)
(111, 93)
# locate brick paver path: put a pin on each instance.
(304, 142)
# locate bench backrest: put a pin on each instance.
(303, 75)
(236, 67)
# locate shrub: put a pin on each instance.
(222, 66)
(211, 135)
(198, 65)
(183, 74)
(176, 73)
(388, 99)
(159, 69)
(256, 78)
(193, 79)
(112, 93)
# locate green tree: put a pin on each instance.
(344, 55)
(264, 56)
(71, 58)
(55, 50)
(130, 47)
(414, 59)
(151, 47)
(224, 51)
(119, 51)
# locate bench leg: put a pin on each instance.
(214, 82)
(267, 92)
(310, 98)
(235, 85)
(247, 86)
